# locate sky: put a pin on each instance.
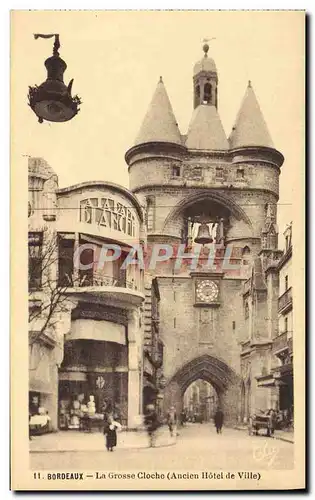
(116, 59)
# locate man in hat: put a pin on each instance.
(218, 420)
(152, 423)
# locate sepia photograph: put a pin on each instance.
(157, 194)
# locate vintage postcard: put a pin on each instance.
(157, 219)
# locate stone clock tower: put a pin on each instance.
(210, 194)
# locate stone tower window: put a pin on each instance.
(266, 209)
(175, 171)
(197, 96)
(219, 173)
(245, 255)
(240, 174)
(150, 212)
(207, 93)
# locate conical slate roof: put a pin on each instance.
(159, 124)
(205, 130)
(250, 128)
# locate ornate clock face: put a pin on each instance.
(207, 291)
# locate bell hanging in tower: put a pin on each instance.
(203, 236)
(52, 100)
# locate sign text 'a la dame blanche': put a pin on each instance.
(109, 213)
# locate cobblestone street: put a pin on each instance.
(198, 447)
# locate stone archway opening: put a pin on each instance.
(210, 369)
(200, 401)
(215, 206)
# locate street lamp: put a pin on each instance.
(52, 100)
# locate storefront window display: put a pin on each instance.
(39, 419)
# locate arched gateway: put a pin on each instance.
(211, 369)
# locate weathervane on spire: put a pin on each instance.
(205, 47)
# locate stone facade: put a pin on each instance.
(224, 340)
(212, 317)
(85, 330)
(277, 381)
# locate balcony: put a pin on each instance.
(95, 279)
(98, 279)
(97, 286)
(282, 343)
(285, 301)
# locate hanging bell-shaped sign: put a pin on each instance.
(52, 100)
(203, 236)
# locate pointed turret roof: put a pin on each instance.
(159, 124)
(250, 128)
(205, 130)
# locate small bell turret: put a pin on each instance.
(52, 100)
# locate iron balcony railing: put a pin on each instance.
(96, 279)
(282, 342)
(285, 301)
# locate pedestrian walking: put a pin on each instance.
(151, 422)
(273, 420)
(172, 420)
(218, 420)
(183, 418)
(110, 432)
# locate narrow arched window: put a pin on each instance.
(245, 251)
(207, 93)
(197, 95)
(266, 209)
(245, 255)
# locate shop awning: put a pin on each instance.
(90, 329)
(73, 376)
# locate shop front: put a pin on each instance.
(94, 372)
(284, 380)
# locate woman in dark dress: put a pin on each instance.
(110, 431)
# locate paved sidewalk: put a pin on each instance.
(95, 441)
(285, 435)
